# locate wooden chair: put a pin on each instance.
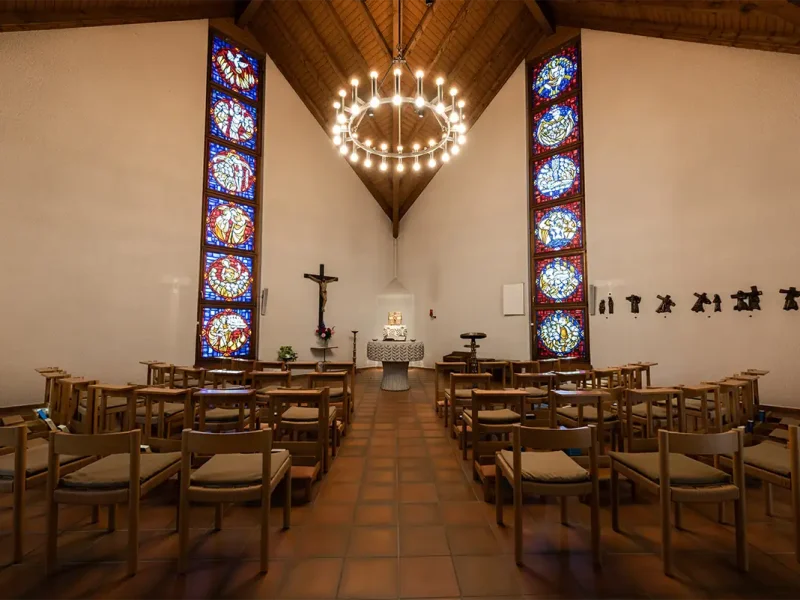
(76, 404)
(643, 368)
(300, 370)
(52, 392)
(758, 373)
(549, 365)
(607, 378)
(242, 468)
(582, 407)
(485, 420)
(339, 394)
(49, 374)
(687, 480)
(224, 410)
(459, 396)
(748, 394)
(703, 404)
(266, 381)
(442, 370)
(495, 367)
(572, 380)
(647, 410)
(189, 377)
(163, 408)
(350, 368)
(631, 376)
(149, 364)
(232, 379)
(733, 395)
(304, 413)
(548, 471)
(110, 401)
(523, 366)
(538, 387)
(163, 374)
(24, 466)
(266, 365)
(121, 475)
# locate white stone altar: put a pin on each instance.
(395, 357)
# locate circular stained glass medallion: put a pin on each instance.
(234, 120)
(230, 224)
(557, 228)
(235, 69)
(554, 77)
(556, 125)
(226, 332)
(232, 171)
(558, 279)
(229, 277)
(556, 176)
(560, 332)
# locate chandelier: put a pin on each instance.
(350, 114)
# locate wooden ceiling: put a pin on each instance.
(319, 45)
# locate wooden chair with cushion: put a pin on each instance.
(22, 466)
(491, 415)
(498, 369)
(459, 396)
(232, 379)
(163, 374)
(577, 379)
(583, 407)
(549, 365)
(121, 475)
(350, 368)
(607, 378)
(225, 410)
(538, 387)
(109, 402)
(339, 393)
(266, 381)
(190, 377)
(50, 374)
(242, 468)
(300, 370)
(748, 394)
(76, 406)
(648, 410)
(149, 364)
(734, 395)
(544, 469)
(163, 409)
(523, 366)
(703, 404)
(441, 382)
(687, 480)
(268, 365)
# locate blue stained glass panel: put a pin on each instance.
(234, 68)
(225, 332)
(232, 120)
(558, 176)
(559, 279)
(227, 277)
(231, 172)
(555, 75)
(556, 126)
(558, 228)
(561, 333)
(230, 224)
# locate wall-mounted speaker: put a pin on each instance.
(592, 298)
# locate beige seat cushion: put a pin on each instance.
(548, 467)
(461, 394)
(35, 461)
(589, 413)
(276, 387)
(536, 392)
(111, 403)
(337, 392)
(170, 409)
(224, 415)
(570, 387)
(113, 472)
(682, 469)
(697, 404)
(236, 470)
(769, 456)
(305, 413)
(494, 417)
(658, 412)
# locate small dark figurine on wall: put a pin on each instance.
(717, 303)
(755, 301)
(790, 302)
(702, 299)
(634, 300)
(666, 304)
(741, 300)
(602, 307)
(610, 305)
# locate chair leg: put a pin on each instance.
(183, 532)
(112, 517)
(265, 510)
(218, 517)
(768, 498)
(19, 518)
(133, 537)
(564, 510)
(287, 500)
(678, 516)
(614, 500)
(95, 514)
(498, 498)
(518, 524)
(666, 530)
(741, 536)
(596, 524)
(52, 537)
(463, 440)
(721, 517)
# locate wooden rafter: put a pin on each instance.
(369, 21)
(249, 13)
(545, 23)
(419, 29)
(784, 9)
(343, 31)
(451, 32)
(325, 50)
(397, 24)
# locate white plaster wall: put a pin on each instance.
(692, 186)
(101, 145)
(316, 210)
(466, 236)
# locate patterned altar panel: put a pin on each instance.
(230, 224)
(557, 176)
(225, 332)
(561, 333)
(560, 280)
(234, 68)
(558, 228)
(231, 172)
(228, 278)
(556, 126)
(395, 351)
(555, 75)
(232, 120)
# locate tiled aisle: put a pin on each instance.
(399, 516)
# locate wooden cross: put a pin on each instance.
(323, 281)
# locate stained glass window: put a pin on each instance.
(561, 333)
(227, 277)
(555, 75)
(558, 176)
(556, 126)
(225, 332)
(231, 172)
(559, 279)
(230, 224)
(234, 68)
(232, 120)
(558, 228)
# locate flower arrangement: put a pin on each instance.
(324, 333)
(287, 354)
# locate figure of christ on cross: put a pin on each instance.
(322, 280)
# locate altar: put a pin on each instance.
(395, 357)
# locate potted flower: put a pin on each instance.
(324, 334)
(287, 355)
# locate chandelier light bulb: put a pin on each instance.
(367, 162)
(432, 162)
(397, 71)
(384, 146)
(342, 93)
(337, 140)
(383, 166)
(453, 91)
(462, 139)
(343, 149)
(355, 109)
(337, 106)
(400, 167)
(455, 149)
(368, 143)
(454, 117)
(445, 157)
(419, 102)
(416, 166)
(440, 81)
(440, 108)
(374, 102)
(354, 157)
(416, 147)
(431, 143)
(419, 74)
(340, 118)
(461, 104)
(397, 100)
(461, 128)
(400, 149)
(354, 82)
(373, 74)
(337, 129)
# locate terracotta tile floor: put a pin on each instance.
(399, 516)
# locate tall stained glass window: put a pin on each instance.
(559, 299)
(227, 308)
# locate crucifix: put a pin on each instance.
(323, 281)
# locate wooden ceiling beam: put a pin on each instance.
(249, 13)
(345, 33)
(26, 20)
(397, 24)
(373, 26)
(545, 23)
(783, 9)
(326, 51)
(420, 29)
(451, 32)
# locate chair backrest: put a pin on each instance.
(523, 366)
(494, 367)
(221, 398)
(549, 364)
(541, 438)
(470, 380)
(483, 449)
(241, 364)
(672, 399)
(262, 379)
(187, 377)
(329, 380)
(281, 401)
(242, 442)
(701, 444)
(529, 379)
(163, 374)
(300, 370)
(262, 365)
